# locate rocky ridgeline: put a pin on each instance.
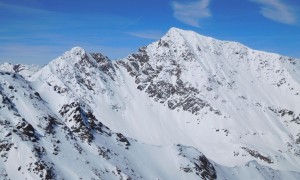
(75, 117)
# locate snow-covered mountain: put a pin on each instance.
(184, 107)
(24, 70)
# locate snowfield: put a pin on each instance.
(184, 107)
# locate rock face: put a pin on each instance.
(184, 107)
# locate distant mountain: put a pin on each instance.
(184, 107)
(24, 70)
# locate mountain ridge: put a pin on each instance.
(189, 104)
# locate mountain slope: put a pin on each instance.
(184, 107)
(251, 97)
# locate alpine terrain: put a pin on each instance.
(184, 107)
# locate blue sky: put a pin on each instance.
(37, 31)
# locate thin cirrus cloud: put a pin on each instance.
(277, 10)
(27, 18)
(35, 36)
(191, 12)
(17, 9)
(147, 34)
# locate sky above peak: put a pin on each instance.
(37, 31)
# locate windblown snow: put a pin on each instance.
(184, 107)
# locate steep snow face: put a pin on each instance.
(247, 98)
(24, 70)
(218, 69)
(184, 107)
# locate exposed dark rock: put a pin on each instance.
(256, 154)
(5, 146)
(298, 139)
(205, 169)
(162, 91)
(199, 164)
(104, 152)
(83, 122)
(59, 89)
(123, 139)
(51, 123)
(27, 131)
(3, 174)
(76, 116)
(105, 64)
(40, 167)
(78, 148)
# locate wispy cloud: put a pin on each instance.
(22, 9)
(32, 35)
(131, 23)
(191, 12)
(277, 10)
(33, 18)
(29, 54)
(147, 34)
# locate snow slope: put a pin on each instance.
(184, 107)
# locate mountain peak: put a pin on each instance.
(77, 49)
(175, 32)
(77, 55)
(178, 38)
